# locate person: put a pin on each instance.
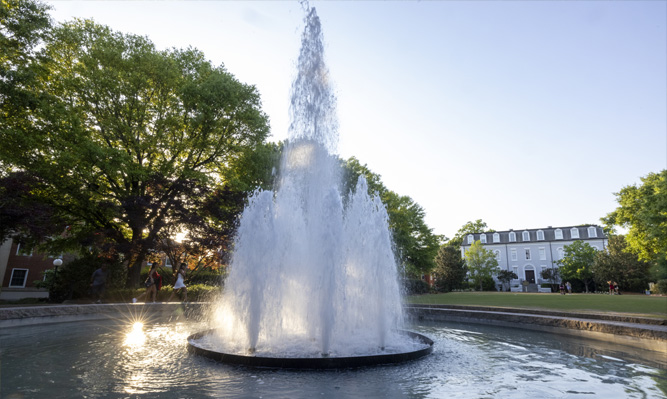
(180, 284)
(616, 291)
(150, 283)
(611, 287)
(98, 282)
(569, 287)
(562, 289)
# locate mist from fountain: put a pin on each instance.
(313, 271)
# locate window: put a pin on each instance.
(19, 277)
(497, 252)
(23, 249)
(167, 262)
(527, 253)
(512, 236)
(543, 253)
(559, 234)
(515, 269)
(592, 232)
(574, 232)
(482, 238)
(526, 236)
(496, 237)
(540, 235)
(560, 253)
(470, 238)
(513, 254)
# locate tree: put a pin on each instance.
(505, 276)
(476, 227)
(450, 270)
(416, 245)
(643, 211)
(481, 263)
(551, 275)
(125, 140)
(577, 261)
(615, 263)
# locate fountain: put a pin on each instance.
(313, 281)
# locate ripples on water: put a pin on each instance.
(111, 359)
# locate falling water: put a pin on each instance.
(312, 273)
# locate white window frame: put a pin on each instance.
(512, 236)
(592, 232)
(513, 254)
(525, 236)
(496, 237)
(470, 238)
(482, 238)
(18, 251)
(515, 269)
(527, 252)
(25, 278)
(574, 232)
(561, 253)
(540, 235)
(497, 252)
(543, 253)
(558, 234)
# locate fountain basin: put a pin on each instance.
(322, 362)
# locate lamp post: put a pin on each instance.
(56, 263)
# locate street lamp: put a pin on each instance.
(56, 263)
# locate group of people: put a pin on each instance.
(567, 286)
(153, 284)
(613, 288)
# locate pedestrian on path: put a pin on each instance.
(98, 282)
(180, 284)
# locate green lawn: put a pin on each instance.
(653, 306)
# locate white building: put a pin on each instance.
(528, 252)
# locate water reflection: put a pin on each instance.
(97, 359)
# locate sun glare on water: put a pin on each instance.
(136, 336)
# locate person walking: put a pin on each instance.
(150, 283)
(180, 283)
(569, 287)
(98, 282)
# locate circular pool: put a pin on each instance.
(119, 358)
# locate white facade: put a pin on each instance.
(528, 252)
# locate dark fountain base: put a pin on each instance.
(324, 362)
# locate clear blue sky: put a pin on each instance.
(525, 114)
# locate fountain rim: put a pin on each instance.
(343, 362)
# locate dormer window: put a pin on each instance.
(512, 236)
(482, 238)
(525, 236)
(470, 238)
(496, 237)
(540, 235)
(592, 232)
(558, 234)
(574, 232)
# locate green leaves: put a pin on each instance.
(577, 261)
(481, 262)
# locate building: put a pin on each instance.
(20, 267)
(528, 252)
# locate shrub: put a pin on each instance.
(661, 287)
(415, 287)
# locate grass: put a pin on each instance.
(638, 305)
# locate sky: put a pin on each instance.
(525, 114)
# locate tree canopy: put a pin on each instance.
(416, 245)
(577, 262)
(476, 227)
(120, 139)
(450, 271)
(617, 264)
(643, 211)
(481, 263)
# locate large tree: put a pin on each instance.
(481, 263)
(450, 271)
(416, 245)
(124, 140)
(643, 211)
(577, 262)
(476, 227)
(617, 264)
